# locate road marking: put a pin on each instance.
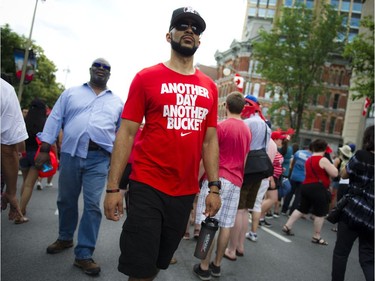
(273, 233)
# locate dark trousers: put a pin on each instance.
(296, 191)
(344, 243)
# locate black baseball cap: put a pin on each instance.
(187, 13)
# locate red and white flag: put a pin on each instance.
(239, 80)
(366, 106)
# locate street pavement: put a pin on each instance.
(273, 257)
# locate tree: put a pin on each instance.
(361, 53)
(44, 85)
(291, 57)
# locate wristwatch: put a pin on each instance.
(215, 183)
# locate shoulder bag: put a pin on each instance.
(258, 164)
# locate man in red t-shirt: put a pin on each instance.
(179, 105)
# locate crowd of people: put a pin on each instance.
(166, 153)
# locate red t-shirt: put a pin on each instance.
(177, 109)
(234, 144)
(314, 173)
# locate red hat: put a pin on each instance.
(277, 135)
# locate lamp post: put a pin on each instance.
(25, 59)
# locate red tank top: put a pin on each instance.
(314, 173)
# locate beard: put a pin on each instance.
(183, 51)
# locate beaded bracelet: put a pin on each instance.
(112, 190)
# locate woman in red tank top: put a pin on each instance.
(314, 191)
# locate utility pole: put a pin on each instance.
(25, 59)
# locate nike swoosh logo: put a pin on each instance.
(185, 134)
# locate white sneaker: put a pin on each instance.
(252, 236)
(49, 184)
(39, 185)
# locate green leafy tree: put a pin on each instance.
(291, 57)
(44, 85)
(361, 53)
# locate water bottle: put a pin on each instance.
(206, 235)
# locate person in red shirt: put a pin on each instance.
(179, 104)
(315, 193)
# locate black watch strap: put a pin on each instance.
(215, 183)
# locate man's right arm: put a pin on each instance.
(113, 203)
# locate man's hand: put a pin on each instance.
(213, 204)
(114, 206)
(43, 157)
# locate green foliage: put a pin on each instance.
(44, 85)
(361, 53)
(292, 55)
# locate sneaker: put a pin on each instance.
(264, 223)
(88, 266)
(58, 246)
(252, 236)
(276, 215)
(269, 216)
(215, 270)
(284, 214)
(202, 274)
(39, 185)
(49, 184)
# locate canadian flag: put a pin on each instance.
(366, 105)
(239, 80)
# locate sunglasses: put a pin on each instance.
(183, 26)
(98, 65)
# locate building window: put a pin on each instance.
(315, 100)
(310, 4)
(252, 12)
(357, 7)
(262, 13)
(345, 6)
(336, 101)
(354, 21)
(271, 2)
(323, 125)
(256, 90)
(254, 1)
(263, 2)
(271, 14)
(335, 4)
(332, 125)
(288, 3)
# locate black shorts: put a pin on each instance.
(152, 231)
(248, 195)
(315, 196)
(125, 177)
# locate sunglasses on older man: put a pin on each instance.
(183, 26)
(104, 66)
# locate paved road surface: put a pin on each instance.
(274, 257)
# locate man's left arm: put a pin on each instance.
(210, 157)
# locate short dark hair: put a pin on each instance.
(368, 139)
(235, 102)
(319, 145)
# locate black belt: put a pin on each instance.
(93, 146)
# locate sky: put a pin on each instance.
(130, 35)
